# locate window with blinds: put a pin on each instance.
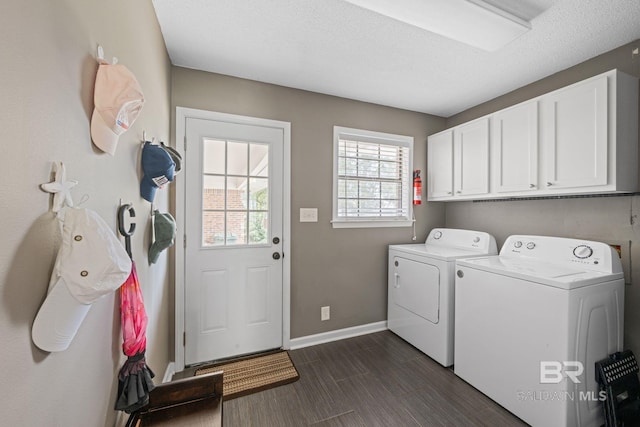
(372, 178)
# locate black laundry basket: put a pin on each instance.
(618, 377)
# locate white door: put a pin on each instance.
(440, 165)
(471, 158)
(576, 135)
(515, 148)
(233, 227)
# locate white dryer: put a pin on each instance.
(421, 280)
(532, 322)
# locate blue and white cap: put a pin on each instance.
(158, 169)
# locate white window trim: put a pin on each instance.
(387, 138)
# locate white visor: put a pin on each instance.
(59, 319)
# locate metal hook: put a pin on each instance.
(132, 227)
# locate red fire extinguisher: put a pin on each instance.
(417, 187)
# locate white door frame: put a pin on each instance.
(182, 114)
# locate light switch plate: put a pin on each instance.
(308, 214)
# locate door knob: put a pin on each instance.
(276, 255)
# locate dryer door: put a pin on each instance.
(416, 288)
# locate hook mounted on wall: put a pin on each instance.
(126, 233)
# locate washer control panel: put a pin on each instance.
(559, 250)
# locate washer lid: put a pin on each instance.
(550, 274)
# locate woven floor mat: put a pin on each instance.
(255, 374)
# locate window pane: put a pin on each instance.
(351, 167)
(390, 207)
(352, 207)
(236, 228)
(258, 228)
(390, 190)
(342, 168)
(213, 156)
(212, 228)
(368, 151)
(389, 152)
(237, 158)
(259, 159)
(369, 190)
(342, 188)
(368, 168)
(213, 192)
(389, 170)
(236, 193)
(259, 194)
(369, 207)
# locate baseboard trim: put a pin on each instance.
(168, 373)
(338, 334)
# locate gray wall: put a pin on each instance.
(343, 268)
(606, 219)
(46, 99)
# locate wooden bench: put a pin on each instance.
(194, 401)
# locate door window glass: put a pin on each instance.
(235, 193)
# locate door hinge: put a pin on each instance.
(185, 143)
(184, 339)
(184, 241)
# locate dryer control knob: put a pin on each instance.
(476, 239)
(582, 251)
(517, 244)
(437, 235)
(531, 245)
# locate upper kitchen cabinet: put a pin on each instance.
(440, 165)
(581, 139)
(514, 148)
(471, 158)
(590, 136)
(458, 162)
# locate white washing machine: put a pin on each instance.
(421, 280)
(532, 322)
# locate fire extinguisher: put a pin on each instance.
(417, 187)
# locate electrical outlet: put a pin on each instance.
(325, 313)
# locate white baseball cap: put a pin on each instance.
(118, 100)
(91, 263)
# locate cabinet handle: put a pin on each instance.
(532, 186)
(449, 192)
(549, 184)
(458, 192)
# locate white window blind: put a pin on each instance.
(372, 181)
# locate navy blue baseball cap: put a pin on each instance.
(158, 169)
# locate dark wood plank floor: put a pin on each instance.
(371, 380)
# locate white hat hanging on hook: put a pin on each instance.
(117, 99)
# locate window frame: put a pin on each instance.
(361, 135)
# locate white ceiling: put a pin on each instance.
(337, 48)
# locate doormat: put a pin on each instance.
(254, 374)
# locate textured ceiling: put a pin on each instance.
(337, 48)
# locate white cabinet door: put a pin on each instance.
(471, 158)
(514, 145)
(575, 135)
(440, 165)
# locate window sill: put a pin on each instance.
(370, 224)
